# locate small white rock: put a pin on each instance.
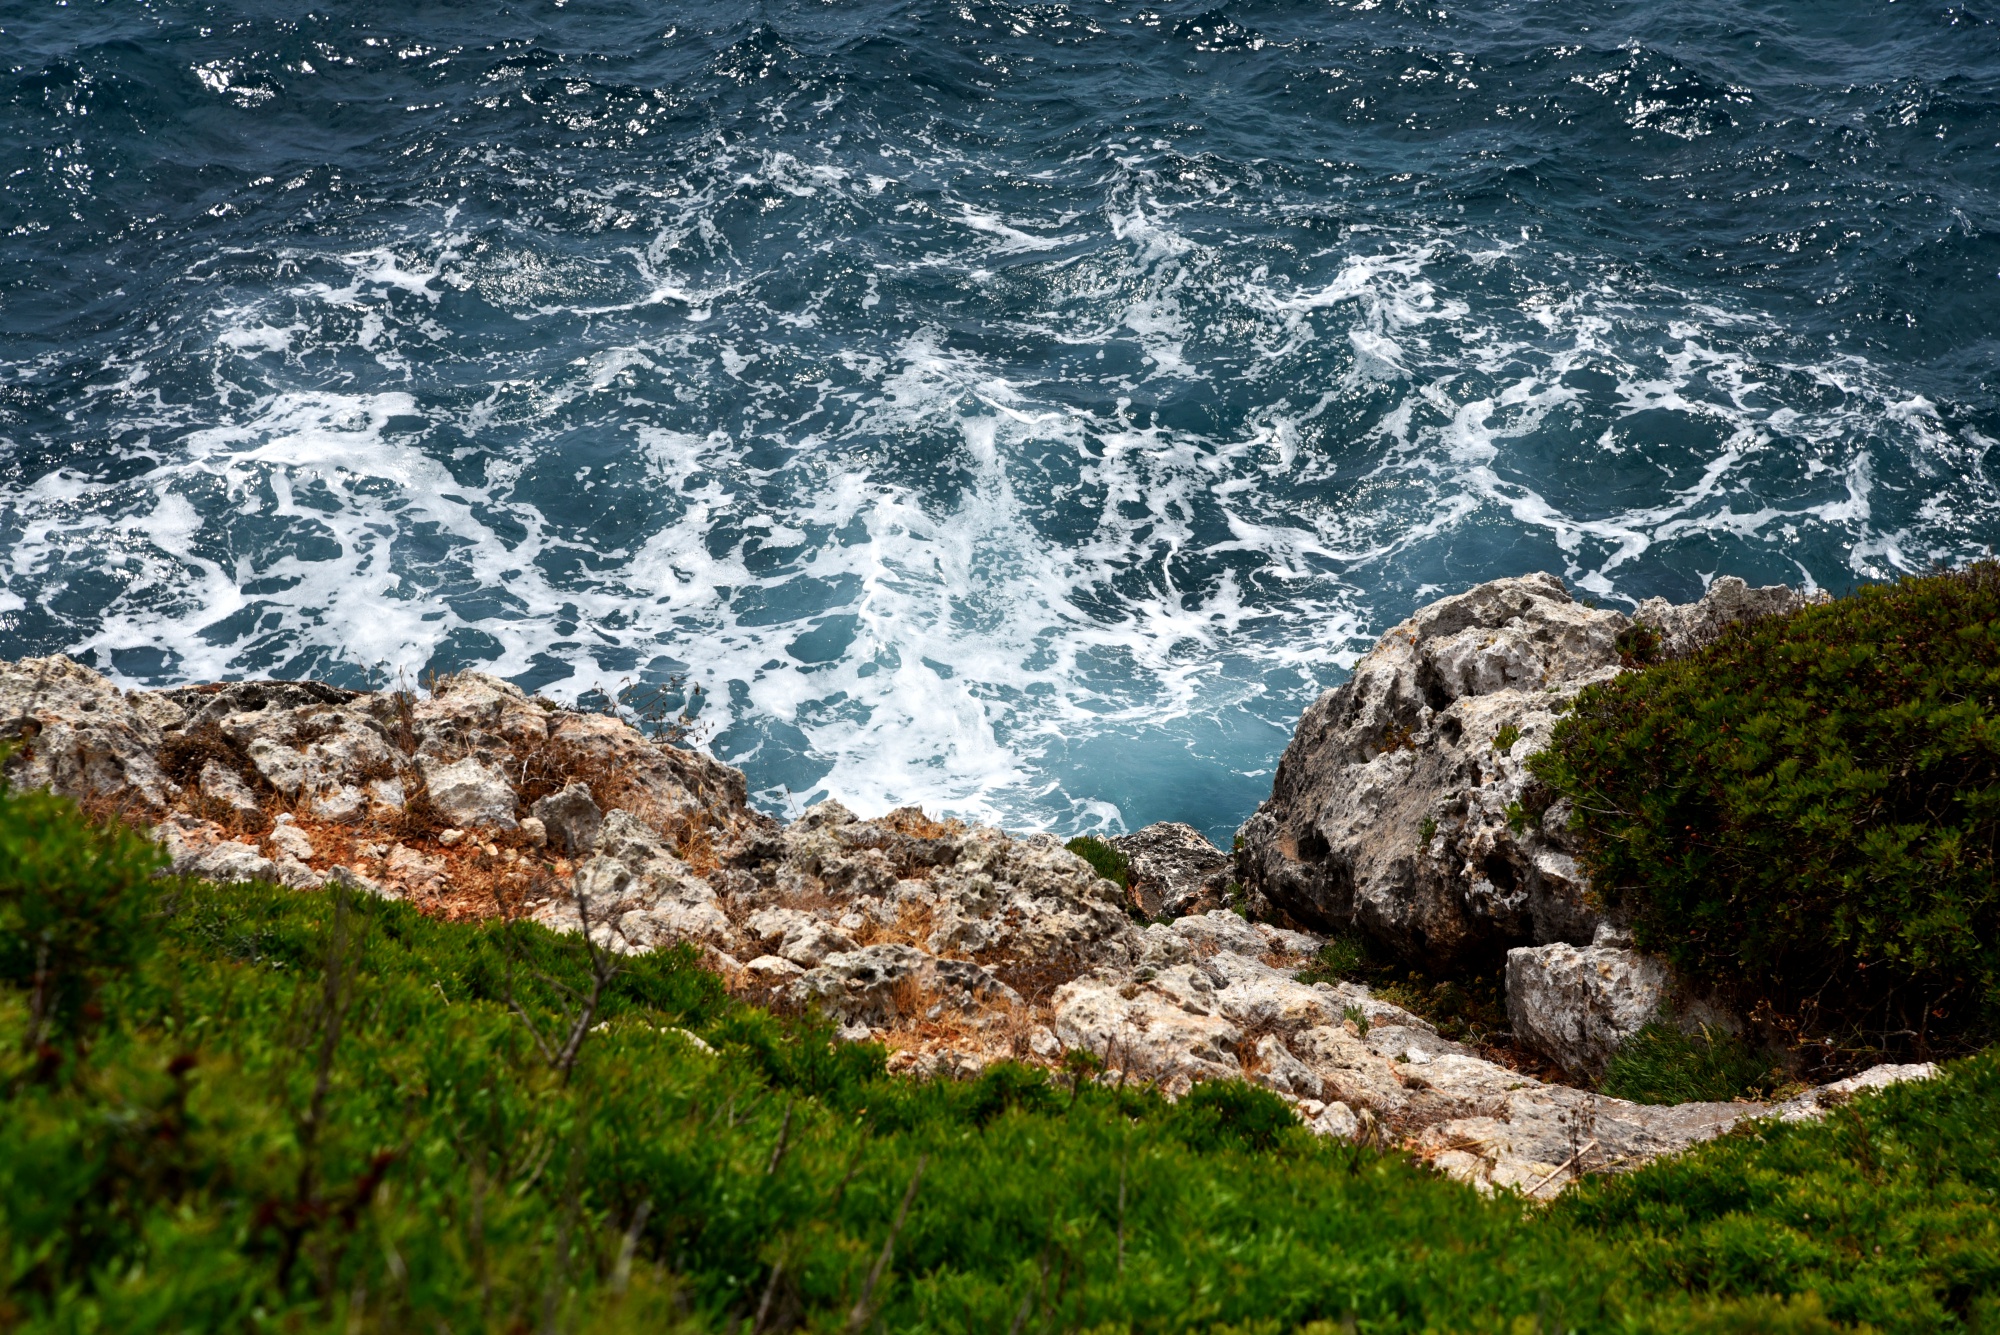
(450, 837)
(290, 841)
(772, 969)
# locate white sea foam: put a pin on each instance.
(909, 568)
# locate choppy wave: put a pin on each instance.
(1021, 410)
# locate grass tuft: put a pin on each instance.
(1662, 1064)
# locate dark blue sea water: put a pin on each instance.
(1023, 409)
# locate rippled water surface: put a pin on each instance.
(1023, 409)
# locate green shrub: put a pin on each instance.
(1662, 1064)
(1342, 959)
(314, 1114)
(1888, 1212)
(1808, 810)
(74, 905)
(1234, 1114)
(1105, 860)
(1465, 1007)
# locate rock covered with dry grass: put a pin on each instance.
(425, 797)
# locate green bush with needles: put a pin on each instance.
(248, 1108)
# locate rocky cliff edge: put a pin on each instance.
(955, 944)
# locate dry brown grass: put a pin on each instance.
(909, 998)
(912, 823)
(1035, 979)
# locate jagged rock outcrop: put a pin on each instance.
(1403, 805)
(76, 733)
(955, 944)
(1174, 870)
(1578, 1005)
(292, 782)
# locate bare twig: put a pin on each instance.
(1121, 1216)
(1557, 1170)
(770, 1291)
(621, 1274)
(38, 1002)
(604, 967)
(1032, 1297)
(778, 1150)
(853, 1167)
(858, 1318)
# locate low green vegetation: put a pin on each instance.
(244, 1108)
(1664, 1064)
(1105, 860)
(1806, 813)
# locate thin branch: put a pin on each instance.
(621, 1274)
(1557, 1170)
(770, 1291)
(778, 1150)
(858, 1318)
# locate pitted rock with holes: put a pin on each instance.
(1403, 805)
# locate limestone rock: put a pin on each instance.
(885, 983)
(1815, 1103)
(354, 880)
(339, 802)
(224, 786)
(1728, 601)
(1403, 805)
(798, 937)
(1335, 1120)
(197, 848)
(772, 970)
(638, 895)
(1146, 1032)
(1578, 1005)
(79, 735)
(1174, 870)
(470, 792)
(1221, 930)
(571, 818)
(288, 840)
(1278, 1069)
(414, 872)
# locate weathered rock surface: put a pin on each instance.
(79, 735)
(1174, 870)
(571, 818)
(1578, 1005)
(292, 781)
(470, 792)
(955, 944)
(1403, 805)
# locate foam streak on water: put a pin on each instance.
(1021, 409)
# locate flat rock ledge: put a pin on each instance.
(954, 944)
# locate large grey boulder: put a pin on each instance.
(1174, 870)
(1403, 805)
(1578, 1005)
(470, 792)
(75, 732)
(571, 818)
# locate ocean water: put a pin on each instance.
(1023, 409)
